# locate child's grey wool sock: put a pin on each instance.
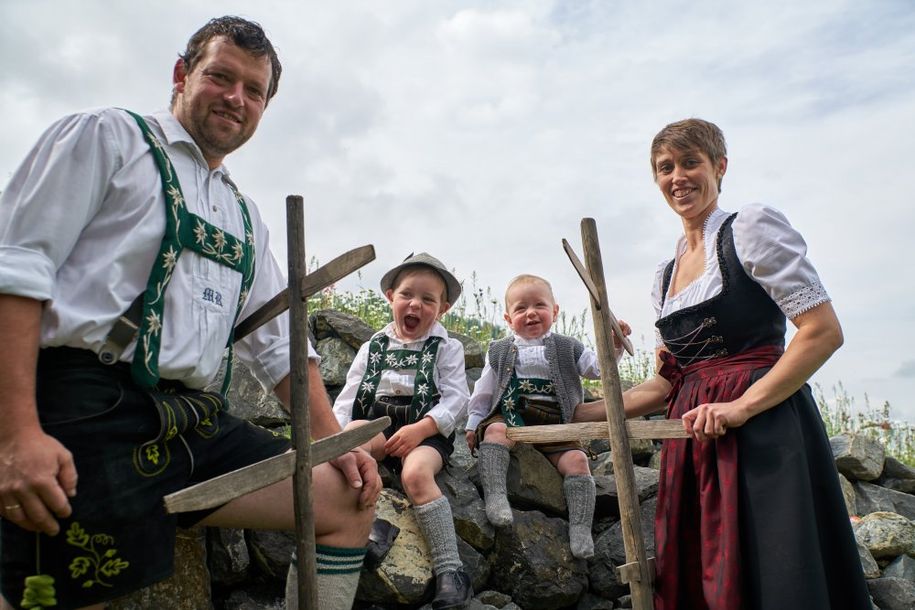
(338, 578)
(493, 465)
(437, 525)
(580, 492)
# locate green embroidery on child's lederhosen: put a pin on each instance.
(184, 229)
(379, 359)
(510, 404)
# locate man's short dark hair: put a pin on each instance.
(244, 34)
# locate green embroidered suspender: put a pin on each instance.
(509, 404)
(379, 359)
(184, 229)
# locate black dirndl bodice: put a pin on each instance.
(740, 317)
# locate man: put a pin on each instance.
(87, 450)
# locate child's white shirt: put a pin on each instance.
(449, 377)
(531, 363)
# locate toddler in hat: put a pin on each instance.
(412, 371)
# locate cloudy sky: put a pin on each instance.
(483, 132)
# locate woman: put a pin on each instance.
(750, 513)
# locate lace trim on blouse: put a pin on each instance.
(802, 300)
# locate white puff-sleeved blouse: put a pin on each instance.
(772, 253)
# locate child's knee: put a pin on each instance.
(496, 433)
(574, 462)
(415, 481)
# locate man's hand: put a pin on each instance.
(361, 470)
(37, 478)
(409, 437)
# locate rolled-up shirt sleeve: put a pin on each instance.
(343, 405)
(452, 385)
(50, 199)
(774, 254)
(481, 400)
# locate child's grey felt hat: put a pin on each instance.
(423, 259)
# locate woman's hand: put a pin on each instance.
(712, 420)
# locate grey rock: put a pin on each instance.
(892, 593)
(493, 598)
(248, 400)
(271, 552)
(468, 508)
(227, 556)
(405, 574)
(868, 563)
(475, 564)
(328, 323)
(336, 358)
(610, 553)
(473, 376)
(461, 460)
(901, 567)
(857, 456)
(589, 601)
(533, 563)
(897, 476)
(848, 494)
(607, 505)
(474, 358)
(533, 482)
(188, 587)
(256, 597)
(642, 450)
(871, 498)
(886, 534)
(655, 461)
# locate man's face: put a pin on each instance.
(220, 102)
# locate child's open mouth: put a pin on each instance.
(410, 323)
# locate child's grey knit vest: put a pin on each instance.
(561, 352)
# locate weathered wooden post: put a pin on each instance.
(298, 407)
(637, 571)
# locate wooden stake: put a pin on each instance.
(301, 421)
(640, 580)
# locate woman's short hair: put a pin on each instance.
(690, 134)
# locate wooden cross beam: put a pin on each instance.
(225, 488)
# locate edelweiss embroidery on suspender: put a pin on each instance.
(425, 393)
(184, 229)
(510, 403)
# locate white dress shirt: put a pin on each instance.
(448, 375)
(772, 253)
(530, 363)
(81, 222)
